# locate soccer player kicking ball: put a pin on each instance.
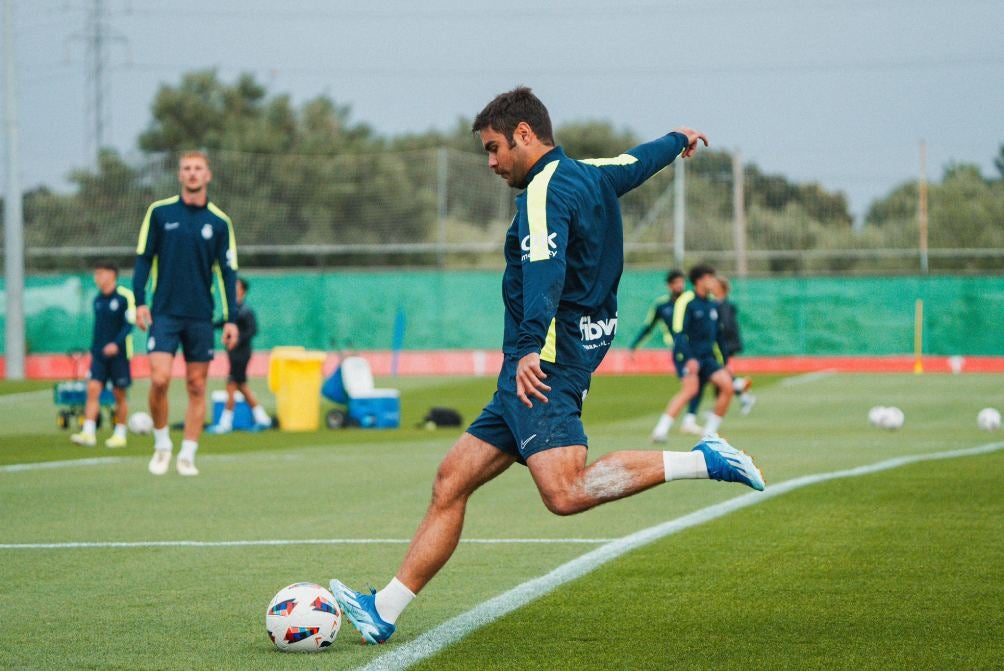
(564, 255)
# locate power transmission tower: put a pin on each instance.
(97, 36)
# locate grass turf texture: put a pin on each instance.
(183, 607)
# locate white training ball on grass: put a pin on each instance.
(893, 419)
(140, 422)
(989, 419)
(877, 414)
(303, 617)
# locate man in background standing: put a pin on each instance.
(111, 349)
(187, 241)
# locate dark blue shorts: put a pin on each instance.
(194, 335)
(114, 368)
(707, 366)
(521, 431)
(238, 367)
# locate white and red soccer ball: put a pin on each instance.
(303, 617)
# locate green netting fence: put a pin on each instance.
(463, 310)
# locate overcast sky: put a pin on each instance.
(839, 92)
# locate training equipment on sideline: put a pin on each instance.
(303, 617)
(989, 419)
(140, 422)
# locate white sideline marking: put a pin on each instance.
(42, 465)
(807, 377)
(88, 545)
(453, 630)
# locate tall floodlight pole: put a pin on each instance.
(922, 207)
(679, 211)
(739, 215)
(13, 216)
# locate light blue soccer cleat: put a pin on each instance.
(728, 464)
(362, 613)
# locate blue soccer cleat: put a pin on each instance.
(728, 464)
(362, 613)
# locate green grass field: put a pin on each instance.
(899, 569)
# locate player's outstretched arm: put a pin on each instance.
(693, 137)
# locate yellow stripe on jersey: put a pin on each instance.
(130, 300)
(550, 351)
(144, 229)
(536, 212)
(223, 291)
(623, 159)
(232, 242)
(680, 308)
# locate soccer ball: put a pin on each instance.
(140, 422)
(303, 618)
(989, 419)
(893, 419)
(876, 415)
(886, 417)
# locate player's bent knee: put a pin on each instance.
(562, 504)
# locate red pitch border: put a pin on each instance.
(480, 362)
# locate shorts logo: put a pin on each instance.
(594, 330)
(523, 445)
(150, 343)
(207, 231)
(211, 354)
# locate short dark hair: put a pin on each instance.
(244, 283)
(699, 271)
(508, 109)
(674, 274)
(107, 264)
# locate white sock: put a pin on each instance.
(162, 438)
(712, 424)
(120, 430)
(89, 427)
(664, 425)
(227, 419)
(260, 416)
(187, 451)
(393, 599)
(684, 465)
(690, 418)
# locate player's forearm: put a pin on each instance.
(651, 157)
(140, 275)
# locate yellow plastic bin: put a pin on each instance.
(294, 376)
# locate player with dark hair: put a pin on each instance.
(188, 242)
(240, 357)
(111, 349)
(564, 256)
(661, 314)
(697, 344)
(732, 343)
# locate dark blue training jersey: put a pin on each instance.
(696, 332)
(565, 252)
(660, 314)
(114, 315)
(182, 249)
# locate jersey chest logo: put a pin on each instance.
(113, 305)
(207, 231)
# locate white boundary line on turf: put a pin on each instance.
(451, 631)
(805, 378)
(99, 545)
(43, 465)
